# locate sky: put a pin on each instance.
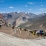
(33, 6)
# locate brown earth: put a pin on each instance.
(22, 34)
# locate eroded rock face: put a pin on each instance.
(39, 23)
(16, 18)
(2, 22)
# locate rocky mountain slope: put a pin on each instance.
(39, 23)
(25, 19)
(16, 18)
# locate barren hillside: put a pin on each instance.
(21, 34)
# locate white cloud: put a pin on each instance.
(25, 5)
(41, 5)
(11, 7)
(30, 9)
(30, 2)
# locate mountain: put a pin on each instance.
(38, 23)
(24, 19)
(16, 18)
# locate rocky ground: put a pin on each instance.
(7, 40)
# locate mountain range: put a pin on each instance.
(16, 18)
(25, 20)
(38, 23)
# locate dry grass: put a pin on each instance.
(21, 34)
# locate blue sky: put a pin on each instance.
(33, 6)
